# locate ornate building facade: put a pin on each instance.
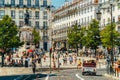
(76, 11)
(39, 15)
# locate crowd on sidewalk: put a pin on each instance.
(24, 58)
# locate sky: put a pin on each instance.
(57, 3)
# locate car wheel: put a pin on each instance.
(95, 74)
(83, 73)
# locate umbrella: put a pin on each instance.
(30, 50)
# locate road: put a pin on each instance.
(69, 74)
(76, 75)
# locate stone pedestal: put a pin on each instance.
(26, 35)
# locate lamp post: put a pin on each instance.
(111, 34)
(50, 58)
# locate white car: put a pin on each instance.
(89, 67)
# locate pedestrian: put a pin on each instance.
(70, 59)
(44, 57)
(26, 61)
(33, 67)
(79, 64)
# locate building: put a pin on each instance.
(75, 11)
(38, 11)
(105, 9)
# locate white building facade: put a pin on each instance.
(39, 15)
(106, 12)
(77, 11)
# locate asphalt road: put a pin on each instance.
(76, 75)
(23, 77)
(69, 74)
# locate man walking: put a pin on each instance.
(33, 67)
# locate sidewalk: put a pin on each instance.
(101, 63)
(110, 76)
(45, 67)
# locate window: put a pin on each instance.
(13, 14)
(21, 13)
(108, 20)
(20, 2)
(37, 24)
(44, 2)
(91, 18)
(28, 2)
(88, 19)
(2, 13)
(118, 28)
(37, 14)
(13, 2)
(1, 2)
(21, 23)
(37, 3)
(88, 9)
(30, 14)
(91, 9)
(113, 19)
(45, 25)
(45, 15)
(113, 8)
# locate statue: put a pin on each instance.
(26, 19)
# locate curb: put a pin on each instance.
(107, 75)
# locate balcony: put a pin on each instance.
(7, 5)
(13, 5)
(43, 28)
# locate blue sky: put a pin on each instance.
(57, 3)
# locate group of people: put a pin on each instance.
(65, 59)
(25, 59)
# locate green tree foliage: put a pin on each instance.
(106, 36)
(8, 34)
(36, 36)
(74, 35)
(92, 35)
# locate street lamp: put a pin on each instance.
(111, 34)
(99, 15)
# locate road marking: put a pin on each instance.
(47, 77)
(77, 75)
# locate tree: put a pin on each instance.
(92, 35)
(9, 38)
(73, 36)
(106, 36)
(36, 37)
(8, 32)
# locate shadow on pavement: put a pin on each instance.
(24, 77)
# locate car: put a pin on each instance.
(89, 67)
